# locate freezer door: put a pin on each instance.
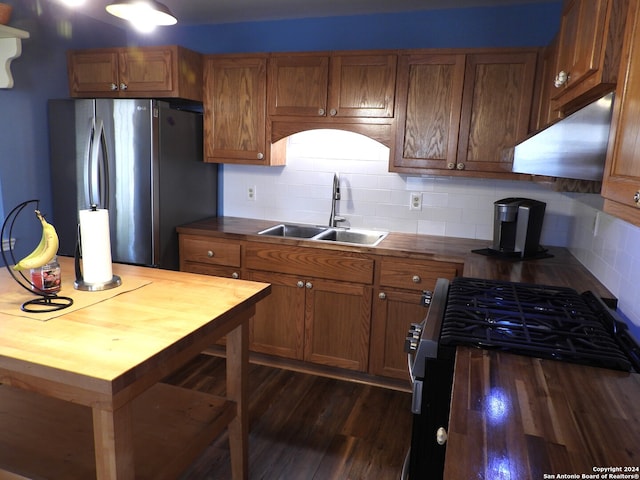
(121, 177)
(71, 131)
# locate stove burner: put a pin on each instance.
(538, 320)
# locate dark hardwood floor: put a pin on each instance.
(307, 427)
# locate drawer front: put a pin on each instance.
(308, 262)
(209, 251)
(416, 275)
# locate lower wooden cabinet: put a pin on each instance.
(397, 304)
(334, 308)
(393, 313)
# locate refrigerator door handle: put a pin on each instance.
(97, 182)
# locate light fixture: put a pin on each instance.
(143, 14)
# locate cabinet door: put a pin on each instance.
(93, 73)
(278, 325)
(622, 172)
(145, 71)
(429, 106)
(234, 110)
(498, 92)
(580, 42)
(362, 86)
(337, 324)
(298, 85)
(393, 313)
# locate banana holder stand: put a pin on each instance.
(46, 301)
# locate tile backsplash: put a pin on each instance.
(373, 198)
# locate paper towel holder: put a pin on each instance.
(79, 283)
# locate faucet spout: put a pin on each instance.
(333, 218)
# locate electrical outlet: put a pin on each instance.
(251, 193)
(415, 201)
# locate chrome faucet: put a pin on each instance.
(333, 218)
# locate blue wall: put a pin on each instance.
(40, 73)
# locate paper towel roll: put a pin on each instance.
(95, 245)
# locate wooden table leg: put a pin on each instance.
(113, 437)
(237, 371)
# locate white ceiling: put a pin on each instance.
(192, 12)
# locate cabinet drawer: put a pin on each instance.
(209, 251)
(308, 262)
(416, 275)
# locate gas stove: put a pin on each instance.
(538, 320)
(542, 321)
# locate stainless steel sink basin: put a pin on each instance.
(369, 238)
(358, 237)
(293, 231)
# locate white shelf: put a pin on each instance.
(10, 48)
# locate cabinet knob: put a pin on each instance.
(309, 285)
(636, 198)
(561, 79)
(123, 86)
(460, 166)
(333, 112)
(235, 275)
(451, 166)
(382, 296)
(416, 279)
(260, 156)
(210, 254)
(300, 284)
(321, 112)
(113, 87)
(441, 436)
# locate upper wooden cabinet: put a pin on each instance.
(589, 46)
(332, 86)
(170, 71)
(235, 97)
(430, 102)
(621, 183)
(463, 114)
(543, 112)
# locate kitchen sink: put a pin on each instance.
(293, 231)
(369, 238)
(359, 237)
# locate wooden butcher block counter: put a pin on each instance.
(518, 417)
(81, 392)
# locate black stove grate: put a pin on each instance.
(538, 320)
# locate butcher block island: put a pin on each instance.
(81, 392)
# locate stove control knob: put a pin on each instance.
(441, 436)
(410, 344)
(425, 300)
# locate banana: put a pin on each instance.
(46, 249)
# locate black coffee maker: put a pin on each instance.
(517, 224)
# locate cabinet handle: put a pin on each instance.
(460, 166)
(235, 275)
(561, 79)
(333, 112)
(451, 166)
(113, 87)
(123, 86)
(300, 284)
(260, 155)
(382, 296)
(416, 279)
(321, 112)
(636, 198)
(210, 254)
(441, 436)
(309, 285)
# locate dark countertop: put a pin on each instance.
(563, 269)
(512, 417)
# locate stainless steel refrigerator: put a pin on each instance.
(140, 159)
